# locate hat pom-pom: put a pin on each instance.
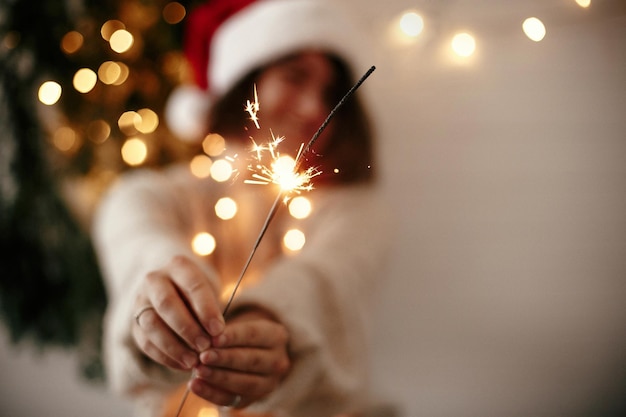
(185, 112)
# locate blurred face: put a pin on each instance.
(294, 97)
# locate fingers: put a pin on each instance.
(258, 332)
(220, 386)
(197, 291)
(258, 361)
(178, 312)
(154, 353)
(162, 345)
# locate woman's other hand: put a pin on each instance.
(246, 362)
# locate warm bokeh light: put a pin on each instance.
(174, 12)
(200, 166)
(121, 41)
(98, 131)
(463, 44)
(226, 208)
(113, 73)
(221, 170)
(203, 244)
(294, 240)
(72, 42)
(534, 29)
(10, 40)
(49, 92)
(109, 27)
(64, 139)
(213, 144)
(149, 121)
(300, 207)
(85, 80)
(128, 122)
(134, 151)
(584, 3)
(411, 24)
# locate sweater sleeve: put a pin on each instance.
(324, 295)
(138, 227)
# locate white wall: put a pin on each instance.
(505, 294)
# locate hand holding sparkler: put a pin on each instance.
(290, 180)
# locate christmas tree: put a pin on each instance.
(82, 91)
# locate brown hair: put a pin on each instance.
(351, 147)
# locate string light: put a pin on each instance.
(134, 151)
(109, 27)
(127, 122)
(85, 80)
(174, 12)
(226, 208)
(72, 42)
(200, 166)
(203, 244)
(64, 139)
(214, 144)
(463, 44)
(121, 41)
(300, 207)
(148, 122)
(411, 24)
(98, 131)
(49, 92)
(584, 3)
(294, 240)
(534, 29)
(221, 170)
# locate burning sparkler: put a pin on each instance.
(287, 175)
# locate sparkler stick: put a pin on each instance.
(252, 108)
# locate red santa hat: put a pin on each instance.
(227, 39)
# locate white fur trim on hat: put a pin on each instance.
(186, 112)
(270, 29)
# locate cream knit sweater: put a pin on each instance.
(323, 293)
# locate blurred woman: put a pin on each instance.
(294, 339)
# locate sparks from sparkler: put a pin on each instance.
(281, 194)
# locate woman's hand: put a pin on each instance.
(246, 362)
(178, 313)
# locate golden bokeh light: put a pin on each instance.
(294, 240)
(65, 139)
(226, 208)
(200, 166)
(113, 73)
(84, 80)
(72, 42)
(109, 27)
(49, 92)
(208, 412)
(149, 121)
(534, 29)
(121, 41)
(174, 12)
(221, 170)
(300, 207)
(584, 3)
(134, 151)
(203, 244)
(10, 40)
(98, 131)
(213, 144)
(411, 24)
(128, 121)
(463, 44)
